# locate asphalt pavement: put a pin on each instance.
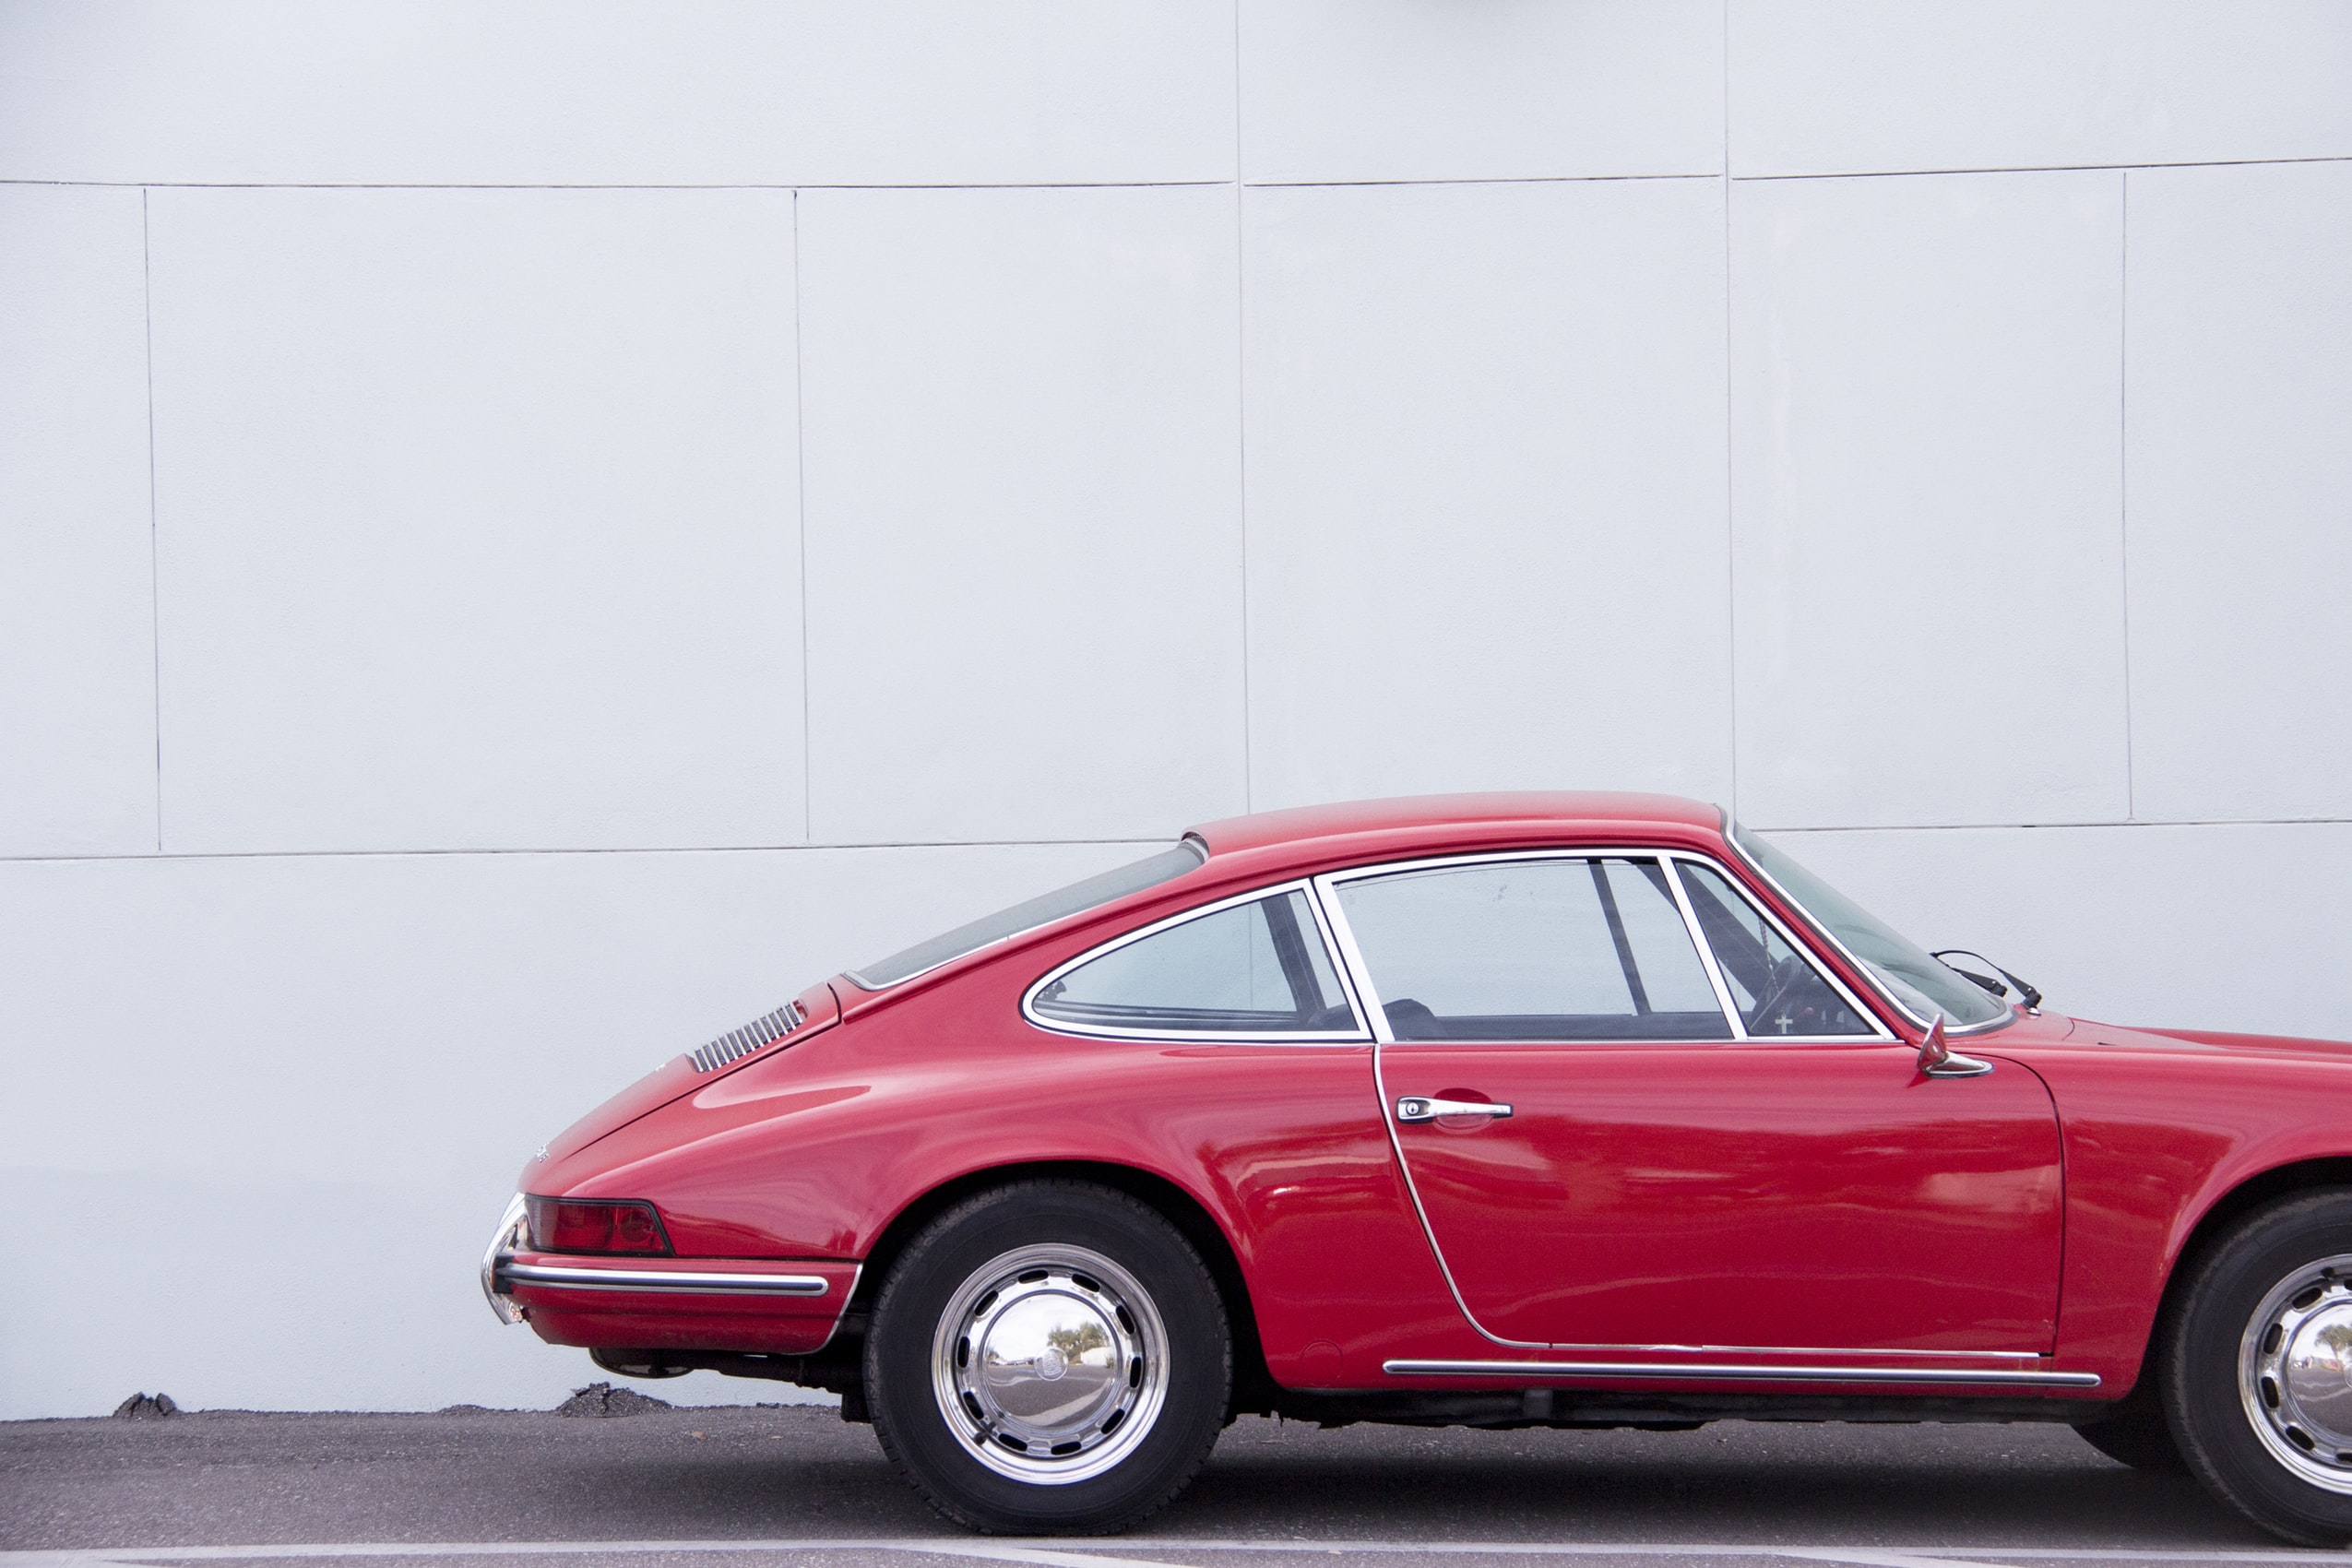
(787, 1486)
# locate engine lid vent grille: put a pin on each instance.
(736, 1044)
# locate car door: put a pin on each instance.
(1635, 1114)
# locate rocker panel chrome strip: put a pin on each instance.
(1740, 1371)
(697, 1284)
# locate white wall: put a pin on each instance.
(529, 532)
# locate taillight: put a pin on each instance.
(595, 1225)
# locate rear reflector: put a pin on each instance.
(596, 1225)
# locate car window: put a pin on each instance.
(1576, 949)
(1188, 855)
(1777, 989)
(1917, 979)
(1259, 967)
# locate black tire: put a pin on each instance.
(2135, 1433)
(2287, 1266)
(1109, 1299)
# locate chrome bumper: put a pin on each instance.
(501, 1271)
(704, 1282)
(501, 1244)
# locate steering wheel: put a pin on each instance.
(1787, 976)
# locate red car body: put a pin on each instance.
(1662, 1231)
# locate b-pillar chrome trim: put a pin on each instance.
(1742, 1371)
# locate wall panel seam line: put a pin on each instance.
(2123, 470)
(154, 546)
(614, 186)
(800, 524)
(2050, 168)
(1153, 185)
(1273, 184)
(1137, 841)
(144, 859)
(1241, 417)
(1730, 519)
(1237, 92)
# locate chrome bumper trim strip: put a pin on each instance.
(1740, 1371)
(495, 1253)
(641, 1279)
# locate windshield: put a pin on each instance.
(1920, 985)
(1044, 910)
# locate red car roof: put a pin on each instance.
(1541, 810)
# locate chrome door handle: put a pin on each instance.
(1419, 1107)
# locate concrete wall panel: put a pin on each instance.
(1926, 408)
(76, 590)
(1849, 87)
(1420, 89)
(477, 519)
(1025, 559)
(1486, 490)
(2239, 363)
(616, 92)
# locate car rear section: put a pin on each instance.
(586, 1258)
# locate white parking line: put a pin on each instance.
(1064, 1552)
(991, 1551)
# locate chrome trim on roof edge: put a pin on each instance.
(1357, 1036)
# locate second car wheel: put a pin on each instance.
(1048, 1356)
(2258, 1374)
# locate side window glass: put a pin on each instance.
(1776, 988)
(1584, 950)
(1259, 967)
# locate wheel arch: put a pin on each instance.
(2249, 1194)
(1253, 1385)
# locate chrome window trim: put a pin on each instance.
(1797, 944)
(699, 1282)
(1707, 959)
(1357, 1036)
(1744, 1371)
(1879, 988)
(1328, 884)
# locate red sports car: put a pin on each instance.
(1578, 1110)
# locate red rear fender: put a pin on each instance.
(677, 1076)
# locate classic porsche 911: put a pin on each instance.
(1578, 1111)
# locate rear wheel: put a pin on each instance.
(2259, 1368)
(1048, 1356)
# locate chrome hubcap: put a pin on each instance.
(1051, 1363)
(2295, 1372)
